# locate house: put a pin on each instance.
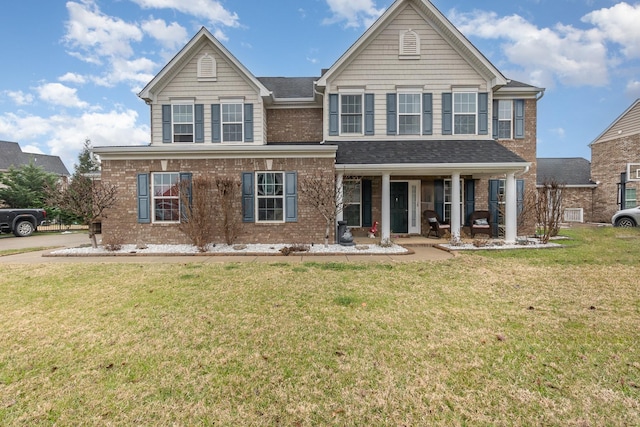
(615, 165)
(412, 117)
(574, 175)
(11, 155)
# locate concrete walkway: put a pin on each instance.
(421, 252)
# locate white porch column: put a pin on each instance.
(385, 226)
(510, 209)
(455, 206)
(339, 196)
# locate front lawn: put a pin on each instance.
(526, 337)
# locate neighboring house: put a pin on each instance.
(412, 117)
(574, 174)
(615, 165)
(11, 155)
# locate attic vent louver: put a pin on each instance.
(207, 68)
(409, 45)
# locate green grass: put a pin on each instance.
(527, 337)
(6, 252)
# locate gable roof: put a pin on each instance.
(628, 123)
(573, 171)
(186, 52)
(439, 21)
(11, 155)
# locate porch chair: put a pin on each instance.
(480, 222)
(435, 224)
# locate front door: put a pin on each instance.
(399, 207)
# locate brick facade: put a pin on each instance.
(608, 160)
(121, 221)
(576, 197)
(294, 125)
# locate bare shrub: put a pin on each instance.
(480, 243)
(549, 209)
(113, 241)
(228, 205)
(198, 207)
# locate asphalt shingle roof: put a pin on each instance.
(11, 155)
(427, 152)
(565, 171)
(289, 87)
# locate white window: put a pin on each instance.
(166, 197)
(352, 199)
(448, 198)
(351, 114)
(505, 119)
(182, 122)
(465, 112)
(409, 113)
(232, 121)
(270, 196)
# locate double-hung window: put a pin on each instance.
(232, 121)
(409, 113)
(351, 114)
(270, 196)
(448, 197)
(182, 122)
(505, 119)
(465, 113)
(352, 199)
(166, 197)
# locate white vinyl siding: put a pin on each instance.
(380, 70)
(229, 85)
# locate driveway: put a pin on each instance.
(63, 239)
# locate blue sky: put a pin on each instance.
(71, 70)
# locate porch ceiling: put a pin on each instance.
(430, 157)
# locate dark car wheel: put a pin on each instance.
(625, 222)
(23, 229)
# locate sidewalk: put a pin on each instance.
(420, 253)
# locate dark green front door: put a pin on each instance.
(399, 207)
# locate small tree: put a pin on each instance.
(549, 209)
(197, 210)
(24, 187)
(320, 192)
(228, 208)
(86, 198)
(87, 163)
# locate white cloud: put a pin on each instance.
(572, 56)
(64, 134)
(633, 89)
(98, 35)
(73, 78)
(19, 97)
(31, 149)
(211, 10)
(59, 94)
(171, 37)
(620, 24)
(136, 71)
(356, 13)
(559, 132)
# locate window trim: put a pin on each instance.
(258, 197)
(418, 114)
(351, 203)
(154, 198)
(360, 94)
(236, 101)
(511, 118)
(454, 113)
(174, 123)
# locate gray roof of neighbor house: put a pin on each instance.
(565, 171)
(423, 152)
(289, 87)
(11, 155)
